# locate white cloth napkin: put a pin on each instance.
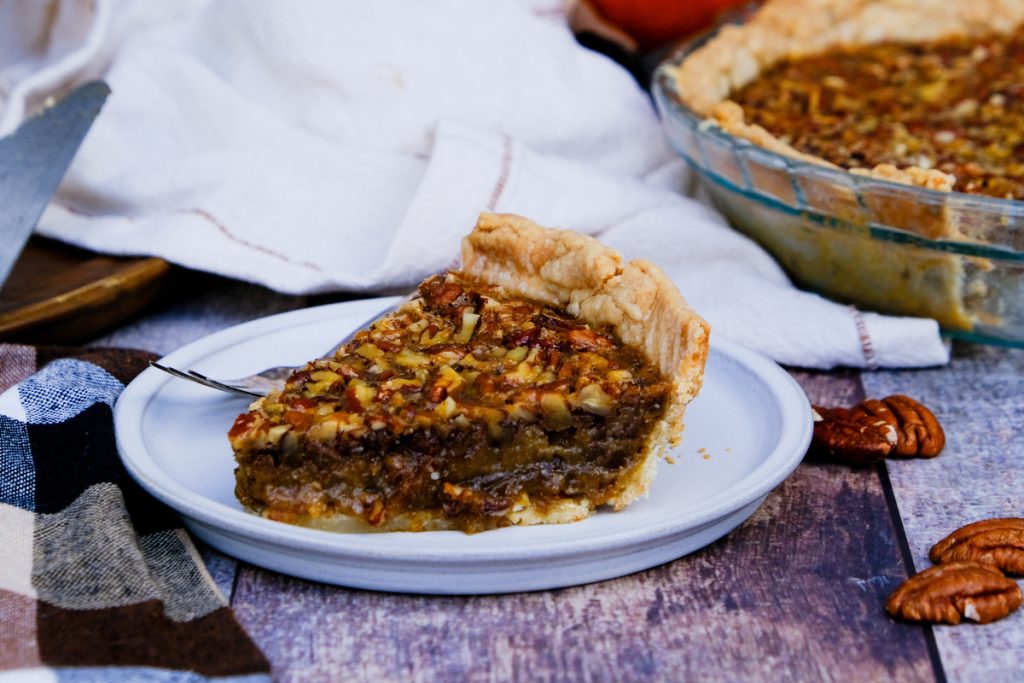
(329, 145)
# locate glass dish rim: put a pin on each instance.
(666, 93)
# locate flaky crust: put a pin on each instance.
(576, 273)
(572, 271)
(785, 29)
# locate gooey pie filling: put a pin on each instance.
(456, 411)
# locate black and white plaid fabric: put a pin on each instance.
(98, 581)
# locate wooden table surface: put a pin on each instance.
(794, 594)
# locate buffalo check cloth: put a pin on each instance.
(98, 581)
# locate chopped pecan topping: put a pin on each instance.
(953, 105)
(586, 340)
(459, 383)
(998, 542)
(439, 293)
(949, 593)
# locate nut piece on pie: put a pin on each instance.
(538, 383)
(925, 93)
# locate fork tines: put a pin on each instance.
(194, 376)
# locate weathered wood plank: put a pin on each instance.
(980, 401)
(794, 594)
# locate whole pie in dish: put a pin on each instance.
(954, 105)
(926, 93)
(536, 384)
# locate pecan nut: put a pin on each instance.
(856, 440)
(949, 593)
(998, 542)
(918, 430)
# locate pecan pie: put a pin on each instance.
(537, 383)
(955, 105)
(927, 93)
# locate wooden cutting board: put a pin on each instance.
(58, 294)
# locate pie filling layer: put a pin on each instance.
(955, 105)
(463, 409)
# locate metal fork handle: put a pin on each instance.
(261, 383)
(192, 376)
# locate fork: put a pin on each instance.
(262, 382)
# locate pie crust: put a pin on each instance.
(573, 271)
(510, 264)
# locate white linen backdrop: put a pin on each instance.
(342, 145)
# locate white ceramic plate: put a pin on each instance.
(745, 433)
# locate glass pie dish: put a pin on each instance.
(884, 246)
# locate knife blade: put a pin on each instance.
(33, 161)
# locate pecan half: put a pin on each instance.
(998, 542)
(949, 593)
(919, 432)
(857, 440)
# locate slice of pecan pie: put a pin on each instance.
(539, 382)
